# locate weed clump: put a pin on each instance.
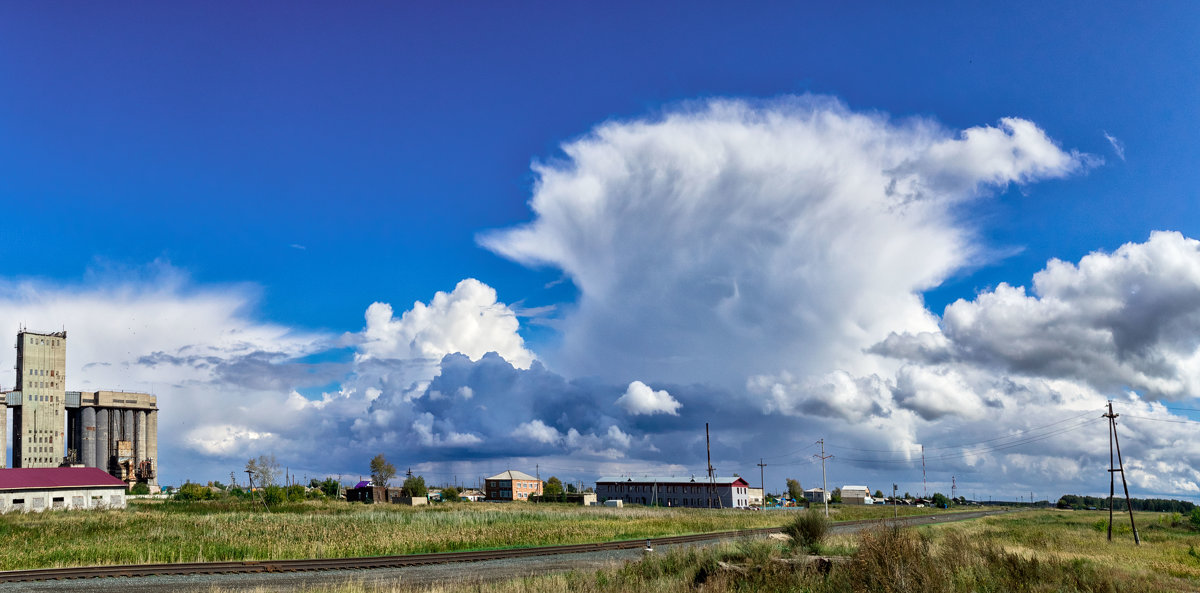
(807, 530)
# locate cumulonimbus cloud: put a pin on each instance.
(729, 238)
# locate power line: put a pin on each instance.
(972, 443)
(1127, 416)
(982, 450)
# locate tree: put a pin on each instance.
(330, 487)
(414, 487)
(878, 494)
(140, 488)
(189, 491)
(1195, 518)
(837, 496)
(553, 489)
(382, 471)
(940, 500)
(571, 489)
(795, 491)
(265, 469)
(449, 494)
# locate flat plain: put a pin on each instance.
(241, 530)
(1037, 551)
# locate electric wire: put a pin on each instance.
(941, 447)
(981, 450)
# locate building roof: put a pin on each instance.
(814, 490)
(855, 488)
(513, 474)
(39, 478)
(719, 480)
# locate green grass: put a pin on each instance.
(242, 530)
(1034, 552)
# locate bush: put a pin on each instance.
(807, 530)
(190, 492)
(295, 492)
(273, 494)
(1195, 518)
(140, 488)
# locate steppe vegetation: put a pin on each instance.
(1035, 551)
(233, 528)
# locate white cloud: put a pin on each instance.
(733, 239)
(1128, 319)
(935, 392)
(641, 399)
(468, 320)
(1117, 146)
(538, 431)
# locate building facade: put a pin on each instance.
(39, 489)
(39, 414)
(730, 492)
(511, 485)
(816, 495)
(115, 431)
(856, 495)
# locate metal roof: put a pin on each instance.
(512, 474)
(42, 478)
(672, 479)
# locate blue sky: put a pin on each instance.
(298, 162)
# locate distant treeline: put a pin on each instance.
(1158, 505)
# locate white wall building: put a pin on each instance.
(730, 492)
(856, 495)
(38, 489)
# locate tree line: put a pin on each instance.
(1157, 505)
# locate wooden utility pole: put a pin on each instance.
(824, 485)
(711, 477)
(924, 483)
(762, 481)
(1113, 440)
(250, 474)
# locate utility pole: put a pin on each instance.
(761, 480)
(895, 509)
(1112, 433)
(711, 477)
(824, 485)
(924, 483)
(953, 488)
(250, 475)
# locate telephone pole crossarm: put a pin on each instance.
(824, 484)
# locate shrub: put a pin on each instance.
(895, 560)
(1195, 518)
(140, 488)
(295, 492)
(807, 530)
(273, 494)
(189, 492)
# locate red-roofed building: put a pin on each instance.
(41, 488)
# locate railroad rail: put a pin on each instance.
(267, 566)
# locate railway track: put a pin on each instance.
(280, 566)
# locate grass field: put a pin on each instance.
(210, 531)
(1034, 551)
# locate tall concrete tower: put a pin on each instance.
(38, 420)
